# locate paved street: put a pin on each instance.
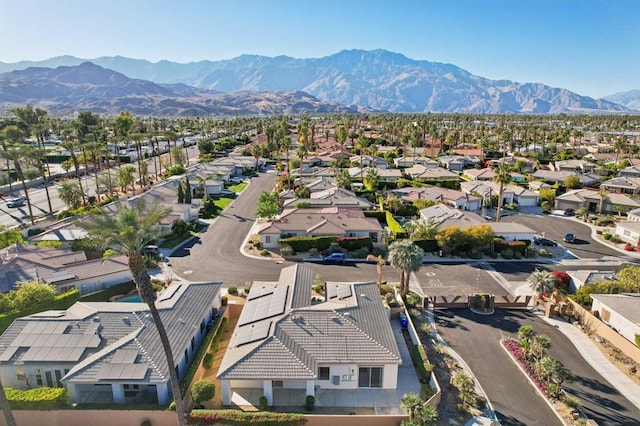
(476, 339)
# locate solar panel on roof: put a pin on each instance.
(124, 356)
(252, 333)
(265, 307)
(113, 371)
(339, 291)
(256, 293)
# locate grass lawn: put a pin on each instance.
(223, 202)
(237, 188)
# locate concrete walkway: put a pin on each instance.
(597, 359)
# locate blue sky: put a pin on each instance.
(591, 47)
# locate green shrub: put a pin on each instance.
(233, 291)
(637, 337)
(615, 239)
(517, 255)
(386, 289)
(264, 403)
(309, 402)
(606, 235)
(380, 215)
(427, 245)
(265, 252)
(572, 402)
(360, 253)
(203, 390)
(507, 253)
(172, 406)
(286, 250)
(355, 243)
(208, 361)
(304, 244)
(237, 417)
(37, 399)
(146, 422)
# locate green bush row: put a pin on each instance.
(304, 244)
(420, 360)
(427, 245)
(378, 214)
(37, 399)
(355, 243)
(236, 417)
(61, 302)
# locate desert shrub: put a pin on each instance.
(413, 299)
(264, 252)
(517, 255)
(386, 289)
(286, 250)
(572, 402)
(606, 235)
(390, 298)
(615, 239)
(233, 291)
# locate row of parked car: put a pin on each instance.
(545, 242)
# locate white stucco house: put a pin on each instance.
(285, 340)
(109, 352)
(620, 311)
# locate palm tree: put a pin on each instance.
(16, 154)
(427, 414)
(407, 257)
(541, 281)
(411, 402)
(130, 230)
(603, 195)
(502, 177)
(6, 408)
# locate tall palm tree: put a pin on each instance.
(16, 154)
(603, 195)
(407, 257)
(130, 230)
(502, 177)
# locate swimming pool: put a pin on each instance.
(130, 298)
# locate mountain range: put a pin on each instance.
(373, 80)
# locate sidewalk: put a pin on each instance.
(597, 360)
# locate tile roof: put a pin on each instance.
(120, 325)
(354, 329)
(626, 305)
(325, 221)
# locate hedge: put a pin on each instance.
(37, 399)
(61, 302)
(355, 243)
(303, 244)
(378, 214)
(420, 360)
(427, 245)
(237, 417)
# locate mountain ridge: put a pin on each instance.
(375, 79)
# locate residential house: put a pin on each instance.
(629, 231)
(537, 185)
(404, 162)
(332, 197)
(419, 171)
(511, 231)
(63, 268)
(285, 340)
(527, 164)
(630, 172)
(329, 221)
(580, 166)
(458, 163)
(451, 197)
(488, 189)
(590, 199)
(623, 184)
(109, 352)
(551, 176)
(445, 216)
(369, 161)
(384, 175)
(582, 276)
(479, 174)
(620, 311)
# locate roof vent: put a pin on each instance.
(96, 319)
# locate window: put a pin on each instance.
(373, 236)
(38, 377)
(193, 343)
(323, 373)
(20, 374)
(267, 239)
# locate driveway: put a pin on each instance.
(476, 339)
(456, 280)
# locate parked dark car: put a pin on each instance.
(544, 242)
(335, 258)
(569, 238)
(569, 212)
